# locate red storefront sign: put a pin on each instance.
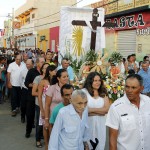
(139, 21)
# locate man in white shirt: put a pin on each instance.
(129, 118)
(70, 130)
(24, 89)
(13, 75)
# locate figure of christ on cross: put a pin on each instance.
(94, 24)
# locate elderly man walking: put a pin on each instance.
(24, 89)
(30, 111)
(129, 118)
(70, 130)
(13, 81)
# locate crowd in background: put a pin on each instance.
(38, 88)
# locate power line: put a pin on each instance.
(59, 12)
(42, 24)
(50, 16)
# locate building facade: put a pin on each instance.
(132, 31)
(1, 41)
(8, 34)
(43, 37)
(37, 18)
(28, 16)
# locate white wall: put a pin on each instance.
(86, 2)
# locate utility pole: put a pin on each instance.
(12, 37)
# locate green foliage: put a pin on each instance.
(76, 65)
(103, 76)
(114, 96)
(91, 56)
(67, 55)
(116, 57)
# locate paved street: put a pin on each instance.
(12, 132)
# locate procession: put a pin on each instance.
(76, 78)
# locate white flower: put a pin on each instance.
(109, 95)
(111, 92)
(121, 91)
(118, 95)
(99, 63)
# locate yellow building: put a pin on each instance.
(43, 39)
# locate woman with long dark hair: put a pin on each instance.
(37, 108)
(42, 88)
(53, 95)
(98, 105)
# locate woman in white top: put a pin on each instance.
(98, 104)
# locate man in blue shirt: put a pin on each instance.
(145, 74)
(65, 65)
(66, 92)
(70, 130)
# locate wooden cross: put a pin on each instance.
(94, 24)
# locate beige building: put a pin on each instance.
(1, 41)
(132, 31)
(36, 16)
(7, 34)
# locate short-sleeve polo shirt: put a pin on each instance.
(133, 124)
(15, 70)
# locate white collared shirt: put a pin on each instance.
(23, 74)
(14, 70)
(132, 123)
(69, 130)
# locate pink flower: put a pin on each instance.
(115, 91)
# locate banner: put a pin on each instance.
(76, 40)
(16, 25)
(1, 32)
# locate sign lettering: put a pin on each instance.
(138, 21)
(128, 21)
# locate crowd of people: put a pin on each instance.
(68, 119)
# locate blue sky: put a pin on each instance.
(6, 7)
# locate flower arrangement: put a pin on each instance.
(115, 88)
(116, 57)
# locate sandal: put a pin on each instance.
(38, 144)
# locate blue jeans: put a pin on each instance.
(39, 129)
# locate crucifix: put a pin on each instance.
(94, 24)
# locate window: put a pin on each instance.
(33, 16)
